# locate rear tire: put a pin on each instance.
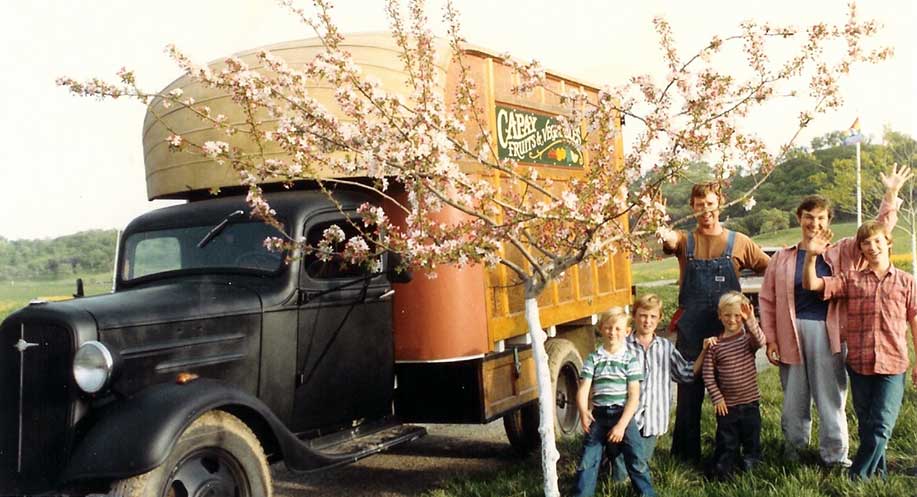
(564, 365)
(521, 428)
(521, 425)
(216, 455)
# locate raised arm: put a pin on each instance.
(816, 247)
(755, 334)
(893, 183)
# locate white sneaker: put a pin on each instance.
(843, 463)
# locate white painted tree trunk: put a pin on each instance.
(549, 454)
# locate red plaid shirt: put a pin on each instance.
(878, 313)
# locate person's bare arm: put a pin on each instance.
(582, 404)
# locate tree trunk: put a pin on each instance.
(549, 454)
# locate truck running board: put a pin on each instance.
(345, 448)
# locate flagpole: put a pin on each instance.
(859, 190)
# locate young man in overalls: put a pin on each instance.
(709, 259)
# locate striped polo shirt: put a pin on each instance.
(661, 364)
(610, 374)
(729, 366)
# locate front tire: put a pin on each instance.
(217, 455)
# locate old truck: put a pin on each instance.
(213, 357)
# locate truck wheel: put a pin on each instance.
(564, 365)
(521, 428)
(521, 425)
(217, 455)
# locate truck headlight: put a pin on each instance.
(92, 366)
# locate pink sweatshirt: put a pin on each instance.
(777, 298)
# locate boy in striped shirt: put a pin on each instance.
(612, 375)
(661, 364)
(732, 382)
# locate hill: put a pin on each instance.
(86, 252)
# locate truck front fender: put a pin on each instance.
(136, 435)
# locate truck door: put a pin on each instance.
(345, 355)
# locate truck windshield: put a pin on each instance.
(239, 246)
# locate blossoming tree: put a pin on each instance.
(413, 152)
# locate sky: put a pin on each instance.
(69, 164)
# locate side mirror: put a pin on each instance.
(395, 271)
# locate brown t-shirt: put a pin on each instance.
(746, 254)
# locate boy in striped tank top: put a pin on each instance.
(732, 382)
(612, 375)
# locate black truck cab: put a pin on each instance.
(207, 335)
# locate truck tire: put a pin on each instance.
(216, 455)
(521, 425)
(564, 365)
(521, 428)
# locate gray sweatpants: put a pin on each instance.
(821, 377)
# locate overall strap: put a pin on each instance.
(689, 248)
(730, 243)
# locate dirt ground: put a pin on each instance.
(446, 452)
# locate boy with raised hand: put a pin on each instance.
(881, 303)
(731, 379)
(612, 375)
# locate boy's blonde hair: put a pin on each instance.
(649, 301)
(730, 299)
(613, 315)
(870, 229)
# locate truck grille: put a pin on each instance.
(36, 407)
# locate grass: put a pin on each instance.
(775, 477)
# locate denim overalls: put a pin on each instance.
(702, 284)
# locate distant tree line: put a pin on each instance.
(827, 167)
(80, 254)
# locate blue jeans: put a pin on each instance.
(587, 472)
(703, 282)
(646, 447)
(876, 401)
(738, 439)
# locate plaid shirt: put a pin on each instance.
(878, 313)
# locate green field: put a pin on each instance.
(16, 294)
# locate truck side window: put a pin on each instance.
(155, 255)
(336, 266)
